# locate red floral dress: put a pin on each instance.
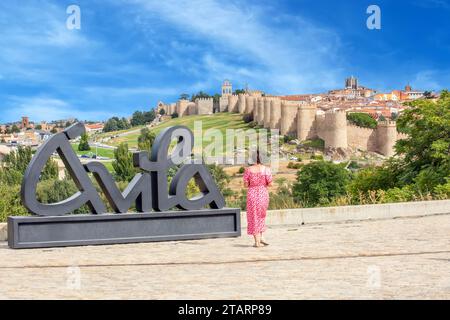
(257, 199)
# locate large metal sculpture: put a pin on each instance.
(149, 190)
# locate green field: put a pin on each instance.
(219, 121)
(102, 152)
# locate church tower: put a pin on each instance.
(227, 88)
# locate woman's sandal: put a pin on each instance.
(256, 246)
(264, 243)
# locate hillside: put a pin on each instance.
(219, 121)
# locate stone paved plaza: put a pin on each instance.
(399, 258)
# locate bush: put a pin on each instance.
(288, 138)
(84, 143)
(10, 203)
(174, 115)
(241, 170)
(319, 182)
(248, 117)
(292, 165)
(362, 120)
(316, 157)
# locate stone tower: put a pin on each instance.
(267, 102)
(289, 111)
(386, 137)
(260, 111)
(336, 123)
(306, 122)
(227, 88)
(25, 122)
(250, 104)
(241, 103)
(275, 113)
(182, 107)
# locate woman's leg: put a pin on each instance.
(262, 240)
(257, 237)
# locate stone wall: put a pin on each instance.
(241, 103)
(260, 111)
(223, 104)
(289, 110)
(297, 119)
(332, 128)
(249, 104)
(275, 113)
(362, 138)
(182, 108)
(306, 122)
(386, 137)
(233, 103)
(267, 107)
(204, 105)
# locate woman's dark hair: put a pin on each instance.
(258, 157)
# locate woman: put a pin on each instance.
(257, 178)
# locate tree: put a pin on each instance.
(319, 182)
(50, 171)
(54, 130)
(381, 118)
(123, 163)
(361, 119)
(425, 151)
(146, 139)
(220, 177)
(200, 95)
(15, 129)
(239, 91)
(116, 124)
(162, 112)
(174, 115)
(10, 203)
(137, 119)
(38, 127)
(184, 96)
(149, 116)
(84, 143)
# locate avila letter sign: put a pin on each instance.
(149, 192)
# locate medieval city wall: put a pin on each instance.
(204, 105)
(362, 138)
(298, 119)
(249, 104)
(332, 128)
(241, 103)
(289, 110)
(267, 107)
(191, 109)
(233, 101)
(275, 113)
(306, 122)
(223, 104)
(182, 108)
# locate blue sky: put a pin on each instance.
(131, 53)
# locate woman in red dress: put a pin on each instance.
(257, 178)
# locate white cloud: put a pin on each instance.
(47, 108)
(427, 80)
(298, 57)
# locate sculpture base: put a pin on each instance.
(79, 230)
